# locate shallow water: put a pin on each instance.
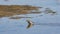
(42, 21)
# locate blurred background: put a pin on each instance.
(44, 23)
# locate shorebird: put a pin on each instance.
(30, 23)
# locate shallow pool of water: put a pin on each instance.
(42, 23)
